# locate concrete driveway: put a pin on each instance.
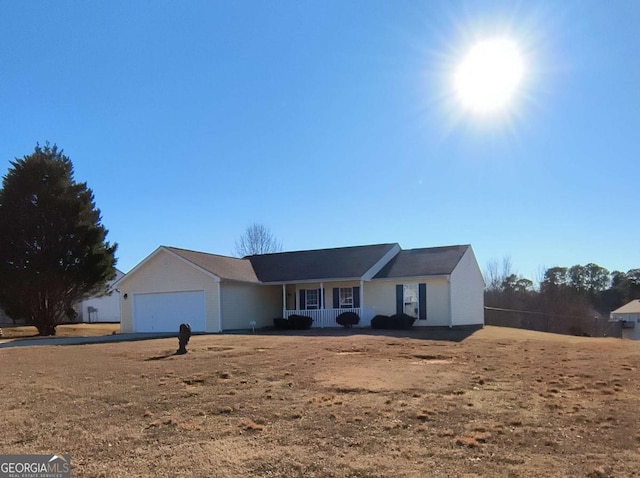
(101, 339)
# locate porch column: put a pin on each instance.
(320, 312)
(361, 296)
(284, 301)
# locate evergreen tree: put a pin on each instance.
(53, 248)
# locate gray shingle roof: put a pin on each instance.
(230, 268)
(632, 307)
(423, 262)
(321, 264)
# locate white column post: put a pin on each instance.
(361, 297)
(320, 308)
(284, 301)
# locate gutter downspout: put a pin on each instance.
(121, 315)
(219, 307)
(450, 311)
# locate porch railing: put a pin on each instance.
(327, 317)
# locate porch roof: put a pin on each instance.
(322, 264)
(428, 261)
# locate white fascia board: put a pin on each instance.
(384, 260)
(412, 278)
(314, 281)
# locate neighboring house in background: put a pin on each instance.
(440, 286)
(105, 308)
(5, 319)
(629, 316)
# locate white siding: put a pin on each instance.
(166, 273)
(437, 303)
(381, 295)
(629, 333)
(467, 292)
(243, 303)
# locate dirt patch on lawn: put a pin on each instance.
(502, 402)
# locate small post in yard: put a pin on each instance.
(253, 326)
(183, 338)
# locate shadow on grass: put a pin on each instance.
(161, 357)
(455, 334)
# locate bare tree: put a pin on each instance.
(494, 278)
(257, 239)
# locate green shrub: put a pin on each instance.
(348, 319)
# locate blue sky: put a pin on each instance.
(334, 123)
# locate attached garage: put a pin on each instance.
(173, 286)
(162, 312)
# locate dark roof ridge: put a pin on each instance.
(324, 249)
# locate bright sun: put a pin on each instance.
(488, 76)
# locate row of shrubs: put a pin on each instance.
(294, 322)
(393, 322)
(348, 320)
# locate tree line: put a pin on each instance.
(563, 298)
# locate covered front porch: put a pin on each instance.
(327, 317)
(325, 301)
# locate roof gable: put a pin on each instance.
(224, 267)
(322, 264)
(428, 261)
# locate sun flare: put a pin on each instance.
(488, 77)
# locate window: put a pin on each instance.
(411, 300)
(313, 300)
(346, 297)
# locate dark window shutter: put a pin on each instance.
(336, 298)
(399, 299)
(356, 297)
(303, 299)
(322, 298)
(422, 301)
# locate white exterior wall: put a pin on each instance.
(107, 308)
(467, 292)
(243, 303)
(631, 334)
(167, 273)
(381, 295)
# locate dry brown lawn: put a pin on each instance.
(502, 402)
(66, 330)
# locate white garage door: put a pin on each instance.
(165, 312)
